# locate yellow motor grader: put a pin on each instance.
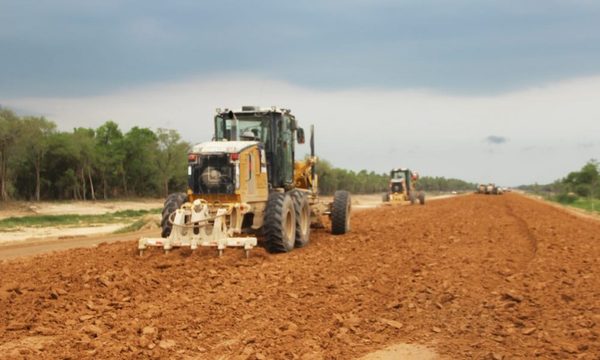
(246, 184)
(402, 188)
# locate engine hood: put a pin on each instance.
(228, 147)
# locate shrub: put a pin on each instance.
(566, 198)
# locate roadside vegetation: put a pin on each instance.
(135, 226)
(37, 162)
(74, 220)
(592, 205)
(363, 182)
(580, 189)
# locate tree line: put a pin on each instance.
(365, 182)
(583, 183)
(39, 162)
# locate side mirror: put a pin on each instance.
(300, 135)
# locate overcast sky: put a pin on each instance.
(503, 91)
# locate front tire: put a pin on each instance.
(385, 197)
(340, 212)
(280, 223)
(422, 198)
(302, 210)
(172, 203)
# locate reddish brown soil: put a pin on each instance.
(471, 277)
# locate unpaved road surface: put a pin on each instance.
(468, 277)
(31, 247)
(36, 240)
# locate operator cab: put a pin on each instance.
(212, 166)
(398, 180)
(249, 124)
(274, 129)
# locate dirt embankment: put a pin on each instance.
(469, 277)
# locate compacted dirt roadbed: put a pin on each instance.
(468, 277)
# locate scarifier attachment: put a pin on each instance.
(194, 225)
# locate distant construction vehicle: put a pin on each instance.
(489, 189)
(247, 183)
(402, 188)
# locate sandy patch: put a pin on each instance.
(57, 232)
(32, 346)
(14, 209)
(402, 351)
(75, 207)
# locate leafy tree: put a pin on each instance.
(585, 181)
(10, 132)
(141, 166)
(36, 132)
(62, 160)
(110, 157)
(85, 144)
(171, 159)
(582, 183)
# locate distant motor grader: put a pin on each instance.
(402, 188)
(246, 184)
(481, 189)
(490, 189)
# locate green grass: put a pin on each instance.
(73, 219)
(592, 205)
(135, 226)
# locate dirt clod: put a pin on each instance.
(392, 323)
(91, 330)
(166, 344)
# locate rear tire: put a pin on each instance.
(340, 212)
(302, 210)
(385, 197)
(172, 203)
(280, 223)
(412, 198)
(422, 198)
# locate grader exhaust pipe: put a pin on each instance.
(234, 126)
(313, 171)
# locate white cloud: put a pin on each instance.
(375, 129)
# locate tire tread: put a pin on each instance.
(340, 212)
(273, 223)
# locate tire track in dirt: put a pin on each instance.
(447, 275)
(524, 229)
